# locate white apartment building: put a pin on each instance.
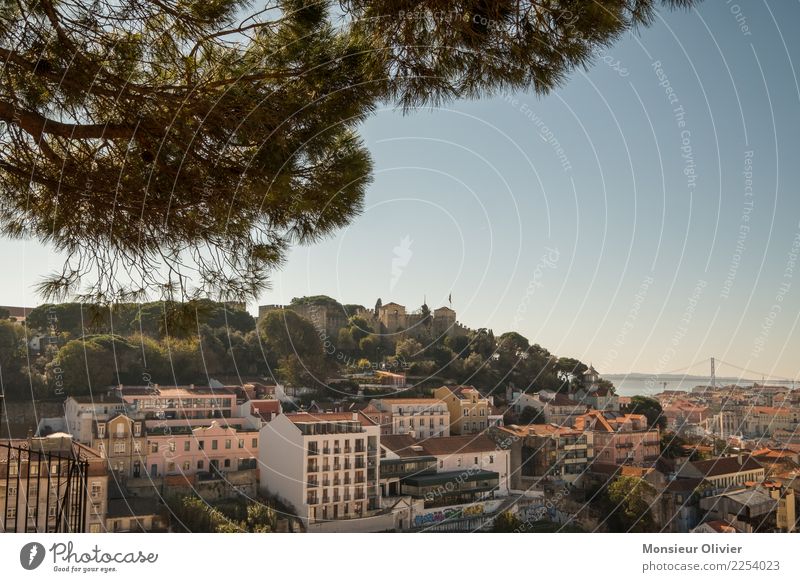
(420, 417)
(471, 454)
(324, 464)
(83, 412)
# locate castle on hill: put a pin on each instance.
(391, 320)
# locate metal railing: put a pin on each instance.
(45, 500)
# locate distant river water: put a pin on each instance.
(648, 386)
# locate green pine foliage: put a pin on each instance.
(175, 149)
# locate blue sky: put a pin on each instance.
(598, 221)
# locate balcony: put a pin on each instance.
(312, 483)
(312, 452)
(326, 467)
(312, 469)
(326, 451)
(337, 450)
(348, 450)
(312, 500)
(360, 464)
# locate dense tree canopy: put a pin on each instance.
(651, 408)
(178, 147)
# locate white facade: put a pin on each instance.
(491, 458)
(422, 417)
(82, 411)
(325, 465)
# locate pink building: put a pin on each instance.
(214, 448)
(621, 438)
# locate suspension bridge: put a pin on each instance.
(718, 371)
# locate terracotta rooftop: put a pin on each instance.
(454, 445)
(539, 430)
(404, 445)
(431, 401)
(725, 466)
(310, 417)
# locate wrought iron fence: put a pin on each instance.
(41, 491)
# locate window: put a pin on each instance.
(441, 464)
(119, 447)
(187, 445)
(214, 445)
(483, 412)
(12, 490)
(96, 488)
(241, 443)
(200, 465)
(170, 467)
(491, 459)
(411, 423)
(101, 430)
(227, 463)
(476, 460)
(458, 462)
(466, 412)
(11, 513)
(171, 446)
(34, 469)
(94, 528)
(137, 429)
(254, 443)
(120, 429)
(186, 465)
(441, 422)
(137, 447)
(51, 511)
(227, 443)
(201, 445)
(154, 448)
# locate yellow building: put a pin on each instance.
(469, 411)
(121, 440)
